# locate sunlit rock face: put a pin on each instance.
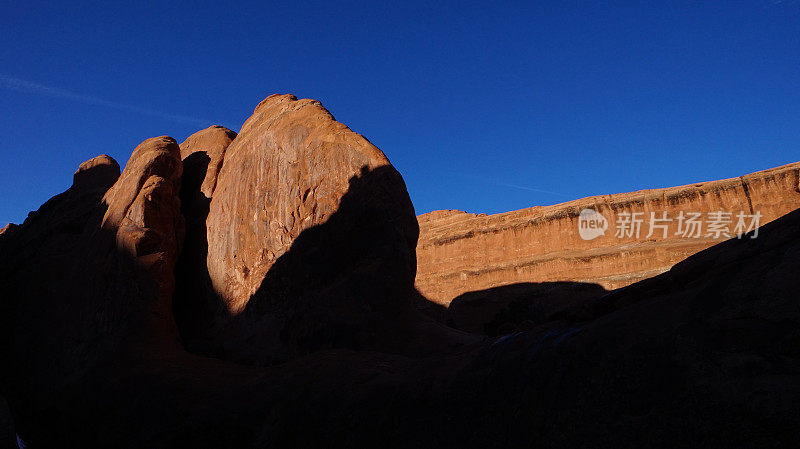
(292, 170)
(211, 143)
(143, 206)
(461, 252)
(286, 172)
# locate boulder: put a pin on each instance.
(311, 238)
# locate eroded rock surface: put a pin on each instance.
(705, 354)
(211, 143)
(311, 238)
(87, 283)
(460, 252)
(196, 304)
(287, 172)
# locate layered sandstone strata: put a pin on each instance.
(461, 252)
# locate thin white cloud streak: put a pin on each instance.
(19, 85)
(516, 186)
(531, 189)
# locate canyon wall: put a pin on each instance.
(461, 252)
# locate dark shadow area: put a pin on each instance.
(91, 357)
(44, 269)
(8, 436)
(430, 309)
(703, 355)
(346, 283)
(194, 305)
(517, 307)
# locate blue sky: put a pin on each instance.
(483, 107)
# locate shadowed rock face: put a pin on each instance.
(96, 174)
(196, 305)
(705, 354)
(516, 307)
(37, 260)
(87, 283)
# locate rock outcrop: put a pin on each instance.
(202, 154)
(287, 172)
(324, 349)
(86, 282)
(8, 229)
(196, 305)
(461, 252)
(294, 170)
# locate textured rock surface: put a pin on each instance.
(460, 252)
(143, 213)
(705, 354)
(294, 170)
(143, 206)
(195, 303)
(211, 143)
(287, 172)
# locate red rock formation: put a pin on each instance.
(9, 228)
(286, 172)
(196, 304)
(96, 173)
(143, 207)
(294, 170)
(706, 353)
(460, 252)
(212, 143)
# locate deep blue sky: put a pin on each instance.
(482, 107)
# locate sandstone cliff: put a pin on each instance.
(461, 252)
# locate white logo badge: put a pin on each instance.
(591, 224)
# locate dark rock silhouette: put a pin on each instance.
(328, 352)
(7, 435)
(516, 307)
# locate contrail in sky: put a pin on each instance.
(19, 85)
(517, 186)
(533, 189)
